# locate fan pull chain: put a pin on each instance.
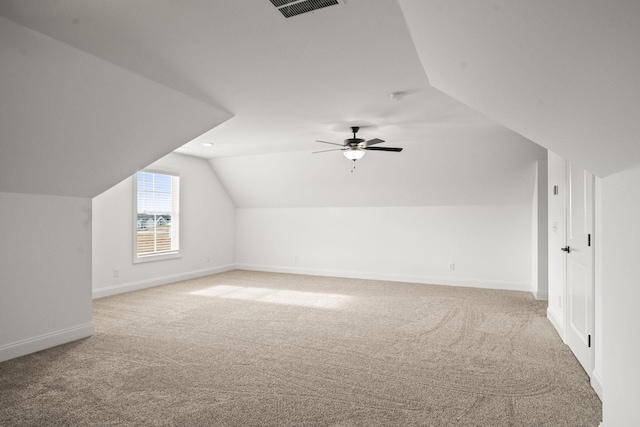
(353, 166)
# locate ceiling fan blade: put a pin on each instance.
(373, 142)
(394, 149)
(324, 151)
(332, 143)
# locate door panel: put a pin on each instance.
(580, 286)
(577, 203)
(578, 283)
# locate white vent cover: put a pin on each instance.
(290, 8)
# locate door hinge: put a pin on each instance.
(588, 239)
(589, 341)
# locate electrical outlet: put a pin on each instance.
(452, 266)
(208, 259)
(296, 258)
(116, 272)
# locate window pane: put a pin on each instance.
(157, 213)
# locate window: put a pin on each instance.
(157, 216)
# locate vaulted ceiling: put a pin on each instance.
(149, 76)
(72, 124)
(561, 73)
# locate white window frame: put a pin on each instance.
(175, 221)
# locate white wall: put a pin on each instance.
(621, 298)
(207, 226)
(557, 240)
(490, 245)
(539, 233)
(45, 272)
(599, 340)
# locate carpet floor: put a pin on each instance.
(260, 349)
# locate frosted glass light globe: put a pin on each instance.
(354, 153)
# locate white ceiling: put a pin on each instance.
(289, 82)
(72, 124)
(565, 74)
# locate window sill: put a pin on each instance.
(156, 257)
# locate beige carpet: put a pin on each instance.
(259, 349)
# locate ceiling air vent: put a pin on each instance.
(290, 8)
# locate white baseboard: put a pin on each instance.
(557, 323)
(157, 281)
(42, 342)
(469, 283)
(596, 383)
(541, 295)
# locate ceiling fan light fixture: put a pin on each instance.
(354, 153)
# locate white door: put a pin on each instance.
(580, 312)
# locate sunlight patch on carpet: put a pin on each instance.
(275, 296)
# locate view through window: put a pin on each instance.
(157, 214)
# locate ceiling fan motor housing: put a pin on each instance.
(351, 142)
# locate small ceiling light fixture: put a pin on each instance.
(207, 144)
(353, 154)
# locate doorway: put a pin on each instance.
(579, 261)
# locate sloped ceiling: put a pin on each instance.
(453, 166)
(74, 125)
(287, 83)
(561, 73)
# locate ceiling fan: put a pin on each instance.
(354, 148)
